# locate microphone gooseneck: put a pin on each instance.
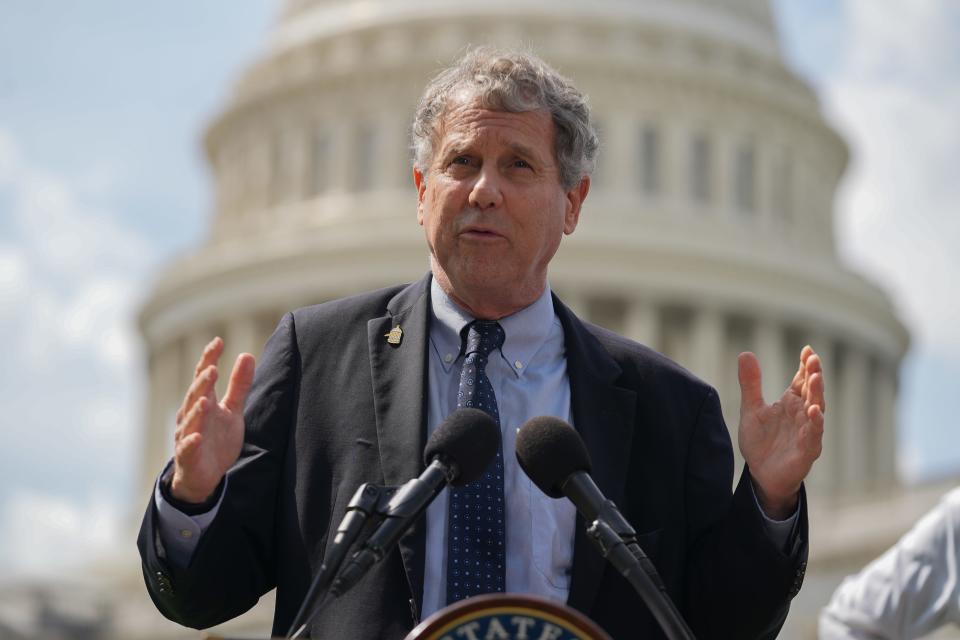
(553, 455)
(457, 453)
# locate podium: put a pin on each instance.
(507, 617)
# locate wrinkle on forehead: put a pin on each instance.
(463, 124)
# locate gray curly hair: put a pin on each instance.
(511, 81)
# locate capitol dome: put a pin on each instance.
(708, 230)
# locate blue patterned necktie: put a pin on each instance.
(476, 535)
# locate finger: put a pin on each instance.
(240, 380)
(815, 393)
(187, 446)
(796, 385)
(814, 428)
(813, 364)
(751, 384)
(194, 420)
(813, 443)
(211, 353)
(815, 414)
(202, 386)
(800, 377)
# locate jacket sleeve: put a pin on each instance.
(738, 582)
(234, 562)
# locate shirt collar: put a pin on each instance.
(525, 331)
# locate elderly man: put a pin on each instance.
(346, 392)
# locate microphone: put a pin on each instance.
(553, 456)
(457, 453)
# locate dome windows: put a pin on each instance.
(700, 167)
(650, 155)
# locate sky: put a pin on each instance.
(102, 182)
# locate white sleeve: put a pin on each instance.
(180, 533)
(910, 590)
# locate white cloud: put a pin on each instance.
(896, 97)
(71, 272)
(69, 238)
(901, 39)
(75, 269)
(12, 277)
(95, 316)
(47, 535)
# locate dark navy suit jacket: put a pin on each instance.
(334, 405)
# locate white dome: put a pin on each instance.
(726, 17)
(708, 230)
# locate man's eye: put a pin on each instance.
(521, 164)
(461, 160)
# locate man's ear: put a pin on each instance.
(575, 198)
(420, 181)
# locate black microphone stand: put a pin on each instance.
(369, 500)
(406, 503)
(381, 515)
(617, 542)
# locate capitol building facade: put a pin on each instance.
(708, 230)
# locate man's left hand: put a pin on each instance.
(780, 441)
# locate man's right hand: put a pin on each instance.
(209, 433)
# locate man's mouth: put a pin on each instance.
(480, 232)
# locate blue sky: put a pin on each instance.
(102, 182)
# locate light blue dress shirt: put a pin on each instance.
(529, 378)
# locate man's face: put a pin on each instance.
(492, 206)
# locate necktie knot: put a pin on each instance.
(483, 337)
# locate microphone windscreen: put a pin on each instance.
(549, 450)
(468, 438)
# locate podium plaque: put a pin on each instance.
(507, 617)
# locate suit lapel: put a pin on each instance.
(399, 389)
(603, 414)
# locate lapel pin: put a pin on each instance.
(395, 335)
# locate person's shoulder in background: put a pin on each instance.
(910, 590)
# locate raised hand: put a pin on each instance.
(209, 433)
(780, 441)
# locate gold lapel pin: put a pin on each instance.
(395, 335)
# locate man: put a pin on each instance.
(347, 392)
(910, 591)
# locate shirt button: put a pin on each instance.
(448, 358)
(518, 364)
(186, 533)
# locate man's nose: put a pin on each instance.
(487, 191)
